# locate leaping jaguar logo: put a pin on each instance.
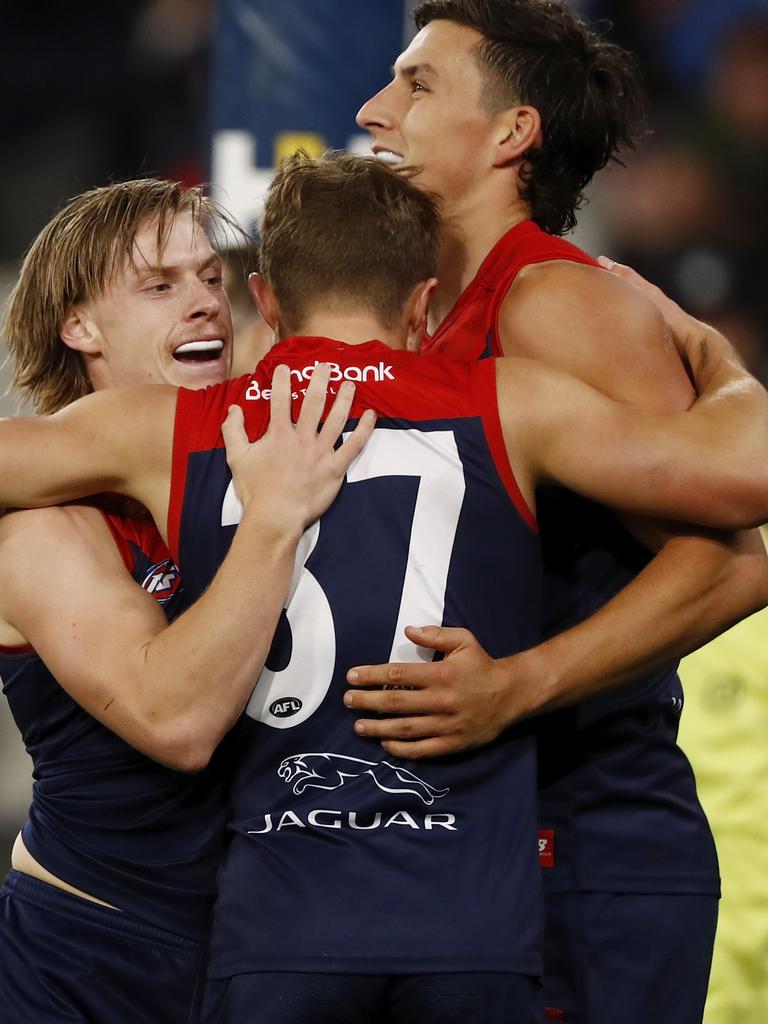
(331, 771)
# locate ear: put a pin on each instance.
(519, 130)
(264, 296)
(79, 332)
(416, 312)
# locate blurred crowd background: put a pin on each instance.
(100, 91)
(103, 90)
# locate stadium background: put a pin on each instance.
(203, 90)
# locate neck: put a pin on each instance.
(352, 328)
(470, 229)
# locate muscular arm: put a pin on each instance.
(698, 584)
(172, 691)
(708, 465)
(619, 334)
(117, 440)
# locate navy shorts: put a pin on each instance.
(627, 958)
(64, 959)
(305, 998)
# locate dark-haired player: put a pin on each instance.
(508, 108)
(359, 886)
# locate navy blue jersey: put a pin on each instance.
(344, 858)
(618, 804)
(104, 817)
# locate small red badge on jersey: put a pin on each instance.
(554, 1013)
(162, 581)
(546, 847)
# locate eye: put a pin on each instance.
(417, 86)
(158, 287)
(213, 279)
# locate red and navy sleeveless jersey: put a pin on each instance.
(470, 329)
(104, 817)
(344, 858)
(618, 804)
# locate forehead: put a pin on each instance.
(184, 241)
(445, 47)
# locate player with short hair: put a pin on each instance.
(506, 109)
(445, 875)
(106, 913)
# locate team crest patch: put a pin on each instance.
(162, 580)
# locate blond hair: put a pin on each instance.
(73, 259)
(346, 227)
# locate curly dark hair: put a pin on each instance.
(587, 91)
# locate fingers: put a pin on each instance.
(233, 432)
(439, 638)
(280, 399)
(608, 264)
(622, 270)
(313, 406)
(417, 727)
(415, 750)
(651, 290)
(356, 441)
(407, 674)
(436, 638)
(338, 413)
(400, 702)
(312, 409)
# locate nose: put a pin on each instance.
(204, 301)
(374, 112)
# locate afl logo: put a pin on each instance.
(285, 707)
(162, 581)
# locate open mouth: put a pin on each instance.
(388, 156)
(199, 351)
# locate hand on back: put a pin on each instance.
(294, 471)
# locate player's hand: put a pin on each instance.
(293, 472)
(463, 701)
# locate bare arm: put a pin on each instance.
(716, 454)
(174, 690)
(708, 465)
(468, 698)
(698, 585)
(117, 440)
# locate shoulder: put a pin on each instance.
(109, 407)
(62, 532)
(556, 287)
(45, 548)
(595, 326)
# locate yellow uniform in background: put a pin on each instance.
(724, 732)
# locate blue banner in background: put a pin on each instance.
(289, 75)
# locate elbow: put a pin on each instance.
(740, 502)
(755, 582)
(751, 508)
(184, 750)
(748, 575)
(190, 758)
